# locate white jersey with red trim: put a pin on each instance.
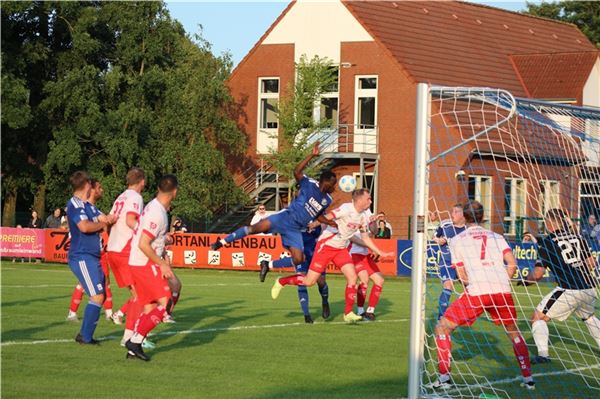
(360, 249)
(130, 202)
(154, 223)
(481, 253)
(349, 221)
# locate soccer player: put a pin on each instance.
(309, 239)
(95, 194)
(333, 247)
(478, 255)
(448, 229)
(310, 204)
(571, 262)
(127, 208)
(149, 269)
(84, 252)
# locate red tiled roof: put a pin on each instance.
(558, 75)
(458, 43)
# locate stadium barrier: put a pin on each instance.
(193, 251)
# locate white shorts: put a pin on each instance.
(560, 303)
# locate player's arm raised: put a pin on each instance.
(145, 246)
(299, 169)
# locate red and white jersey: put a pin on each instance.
(481, 253)
(359, 249)
(154, 223)
(349, 221)
(128, 203)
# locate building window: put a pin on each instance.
(549, 197)
(515, 203)
(480, 189)
(328, 107)
(268, 121)
(365, 114)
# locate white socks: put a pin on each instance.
(540, 332)
(593, 324)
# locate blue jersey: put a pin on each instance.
(448, 231)
(309, 203)
(82, 244)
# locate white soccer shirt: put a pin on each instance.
(481, 253)
(129, 202)
(349, 221)
(359, 249)
(154, 223)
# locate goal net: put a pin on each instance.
(518, 158)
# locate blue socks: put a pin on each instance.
(284, 262)
(237, 235)
(444, 301)
(90, 319)
(303, 298)
(324, 291)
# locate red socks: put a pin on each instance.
(125, 306)
(108, 303)
(350, 298)
(296, 279)
(361, 295)
(134, 310)
(444, 349)
(522, 355)
(76, 298)
(374, 297)
(148, 321)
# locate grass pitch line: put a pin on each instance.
(199, 331)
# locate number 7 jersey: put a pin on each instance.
(130, 202)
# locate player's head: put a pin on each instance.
(473, 212)
(592, 219)
(80, 182)
(96, 190)
(168, 185)
(557, 219)
(136, 179)
(457, 215)
(361, 197)
(327, 181)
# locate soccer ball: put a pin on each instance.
(347, 183)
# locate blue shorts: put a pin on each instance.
(89, 273)
(447, 273)
(309, 251)
(282, 224)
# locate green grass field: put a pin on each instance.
(231, 340)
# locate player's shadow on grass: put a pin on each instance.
(33, 300)
(28, 333)
(197, 333)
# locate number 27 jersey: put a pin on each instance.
(129, 202)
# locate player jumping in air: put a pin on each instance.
(479, 255)
(149, 269)
(572, 264)
(84, 252)
(309, 205)
(333, 247)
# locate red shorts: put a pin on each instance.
(149, 283)
(466, 309)
(104, 263)
(119, 263)
(364, 262)
(325, 255)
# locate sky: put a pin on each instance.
(235, 27)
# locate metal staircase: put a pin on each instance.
(346, 143)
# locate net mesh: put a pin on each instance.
(519, 158)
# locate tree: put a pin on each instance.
(299, 129)
(584, 14)
(122, 85)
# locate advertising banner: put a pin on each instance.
(19, 242)
(57, 245)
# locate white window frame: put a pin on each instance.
(518, 199)
(545, 201)
(487, 203)
(266, 138)
(365, 139)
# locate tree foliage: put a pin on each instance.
(584, 14)
(104, 86)
(298, 127)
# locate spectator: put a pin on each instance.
(259, 215)
(35, 222)
(591, 230)
(374, 225)
(528, 237)
(53, 221)
(64, 223)
(383, 231)
(179, 226)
